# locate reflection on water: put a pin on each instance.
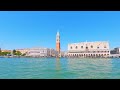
(58, 67)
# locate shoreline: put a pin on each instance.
(53, 57)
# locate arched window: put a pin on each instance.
(97, 47)
(104, 46)
(71, 47)
(91, 46)
(81, 46)
(76, 47)
(86, 47)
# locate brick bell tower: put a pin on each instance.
(58, 43)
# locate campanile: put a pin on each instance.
(58, 42)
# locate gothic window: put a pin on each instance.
(104, 46)
(91, 46)
(76, 47)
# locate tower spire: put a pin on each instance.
(58, 33)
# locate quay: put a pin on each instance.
(114, 56)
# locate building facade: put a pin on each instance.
(89, 49)
(53, 52)
(41, 52)
(23, 51)
(5, 50)
(115, 51)
(38, 52)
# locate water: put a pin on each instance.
(63, 68)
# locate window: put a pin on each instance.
(97, 47)
(71, 47)
(76, 47)
(104, 46)
(91, 46)
(81, 46)
(86, 47)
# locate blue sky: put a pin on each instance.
(26, 29)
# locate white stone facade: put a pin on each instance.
(41, 52)
(38, 52)
(89, 49)
(23, 51)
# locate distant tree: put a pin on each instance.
(14, 51)
(18, 53)
(24, 54)
(4, 53)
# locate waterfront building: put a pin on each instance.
(5, 50)
(115, 50)
(41, 52)
(89, 49)
(58, 43)
(23, 51)
(63, 53)
(38, 52)
(53, 52)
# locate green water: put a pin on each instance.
(63, 68)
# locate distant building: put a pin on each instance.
(53, 52)
(89, 49)
(63, 53)
(115, 51)
(23, 51)
(41, 52)
(5, 50)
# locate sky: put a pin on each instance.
(27, 29)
